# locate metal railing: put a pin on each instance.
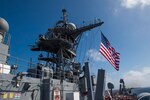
(18, 65)
(21, 64)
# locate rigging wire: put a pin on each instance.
(79, 50)
(91, 43)
(90, 48)
(87, 43)
(94, 45)
(85, 48)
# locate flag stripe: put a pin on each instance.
(108, 60)
(109, 52)
(107, 56)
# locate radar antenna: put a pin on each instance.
(65, 15)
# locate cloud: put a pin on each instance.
(95, 55)
(138, 78)
(135, 3)
(109, 79)
(115, 11)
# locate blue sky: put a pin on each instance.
(126, 25)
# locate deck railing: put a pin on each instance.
(18, 65)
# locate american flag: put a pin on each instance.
(109, 52)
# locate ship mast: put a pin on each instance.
(60, 43)
(64, 15)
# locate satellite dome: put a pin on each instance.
(71, 26)
(110, 85)
(4, 27)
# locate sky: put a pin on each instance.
(126, 25)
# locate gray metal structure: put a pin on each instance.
(89, 83)
(99, 94)
(60, 77)
(3, 52)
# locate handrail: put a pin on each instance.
(24, 65)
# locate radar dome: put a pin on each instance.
(71, 26)
(143, 96)
(4, 27)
